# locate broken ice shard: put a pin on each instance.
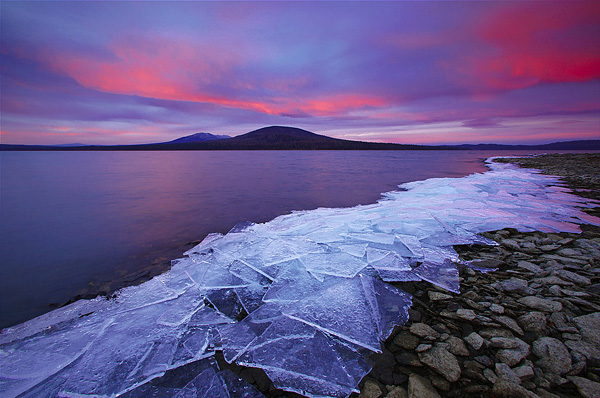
(272, 295)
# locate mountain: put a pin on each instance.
(293, 138)
(198, 137)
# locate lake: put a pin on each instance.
(78, 223)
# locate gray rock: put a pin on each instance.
(589, 351)
(570, 252)
(551, 280)
(490, 375)
(408, 359)
(524, 372)
(511, 244)
(533, 322)
(465, 314)
(498, 309)
(536, 269)
(573, 277)
(509, 323)
(397, 392)
(586, 387)
(488, 333)
(442, 362)
(540, 304)
(425, 331)
(513, 356)
(457, 346)
(506, 389)
(474, 340)
(406, 340)
(437, 296)
(589, 327)
(439, 382)
(545, 394)
(503, 371)
(370, 390)
(419, 387)
(503, 342)
(423, 347)
(554, 356)
(484, 360)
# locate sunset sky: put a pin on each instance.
(406, 72)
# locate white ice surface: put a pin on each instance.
(274, 295)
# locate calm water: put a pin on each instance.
(75, 222)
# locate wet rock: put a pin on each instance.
(533, 322)
(370, 390)
(540, 304)
(425, 331)
(419, 387)
(474, 340)
(586, 387)
(512, 357)
(442, 362)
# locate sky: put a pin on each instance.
(430, 72)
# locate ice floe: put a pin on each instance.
(303, 297)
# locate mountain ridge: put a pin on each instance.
(294, 138)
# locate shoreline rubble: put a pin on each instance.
(530, 328)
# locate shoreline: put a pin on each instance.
(529, 329)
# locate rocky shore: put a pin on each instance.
(530, 328)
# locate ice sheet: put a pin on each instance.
(272, 295)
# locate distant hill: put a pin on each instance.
(293, 138)
(565, 145)
(198, 137)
